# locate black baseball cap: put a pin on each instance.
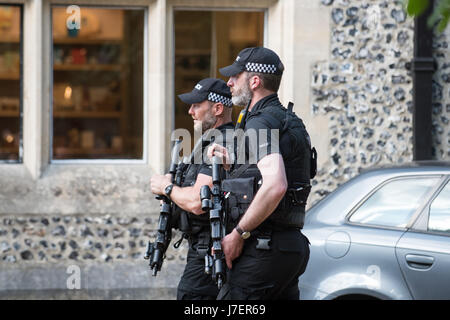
(256, 59)
(215, 90)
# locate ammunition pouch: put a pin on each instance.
(238, 194)
(291, 209)
(187, 222)
(201, 242)
(182, 220)
(297, 195)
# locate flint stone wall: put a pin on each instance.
(365, 90)
(98, 219)
(441, 97)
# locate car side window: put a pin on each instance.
(394, 203)
(439, 218)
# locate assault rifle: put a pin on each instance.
(212, 200)
(156, 251)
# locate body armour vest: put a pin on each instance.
(189, 176)
(295, 148)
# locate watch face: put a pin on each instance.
(168, 189)
(245, 235)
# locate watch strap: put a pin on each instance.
(244, 234)
(168, 190)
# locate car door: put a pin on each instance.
(424, 251)
(380, 221)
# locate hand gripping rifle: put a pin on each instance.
(212, 200)
(156, 251)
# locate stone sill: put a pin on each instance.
(77, 189)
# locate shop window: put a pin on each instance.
(206, 41)
(98, 64)
(10, 83)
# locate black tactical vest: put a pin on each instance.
(299, 161)
(189, 177)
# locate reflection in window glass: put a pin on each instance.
(98, 83)
(206, 41)
(10, 68)
(439, 219)
(394, 203)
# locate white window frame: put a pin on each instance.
(201, 5)
(145, 97)
(37, 85)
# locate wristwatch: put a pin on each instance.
(168, 190)
(244, 234)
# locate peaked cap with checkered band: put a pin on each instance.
(214, 90)
(257, 59)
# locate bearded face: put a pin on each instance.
(203, 116)
(241, 92)
(209, 120)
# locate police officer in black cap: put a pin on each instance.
(211, 108)
(266, 251)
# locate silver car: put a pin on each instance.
(384, 234)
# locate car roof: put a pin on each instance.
(344, 198)
(419, 165)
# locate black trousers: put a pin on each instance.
(268, 274)
(195, 284)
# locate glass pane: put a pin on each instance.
(439, 219)
(98, 83)
(394, 204)
(206, 41)
(10, 68)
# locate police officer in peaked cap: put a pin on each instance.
(265, 250)
(210, 108)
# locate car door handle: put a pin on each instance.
(418, 261)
